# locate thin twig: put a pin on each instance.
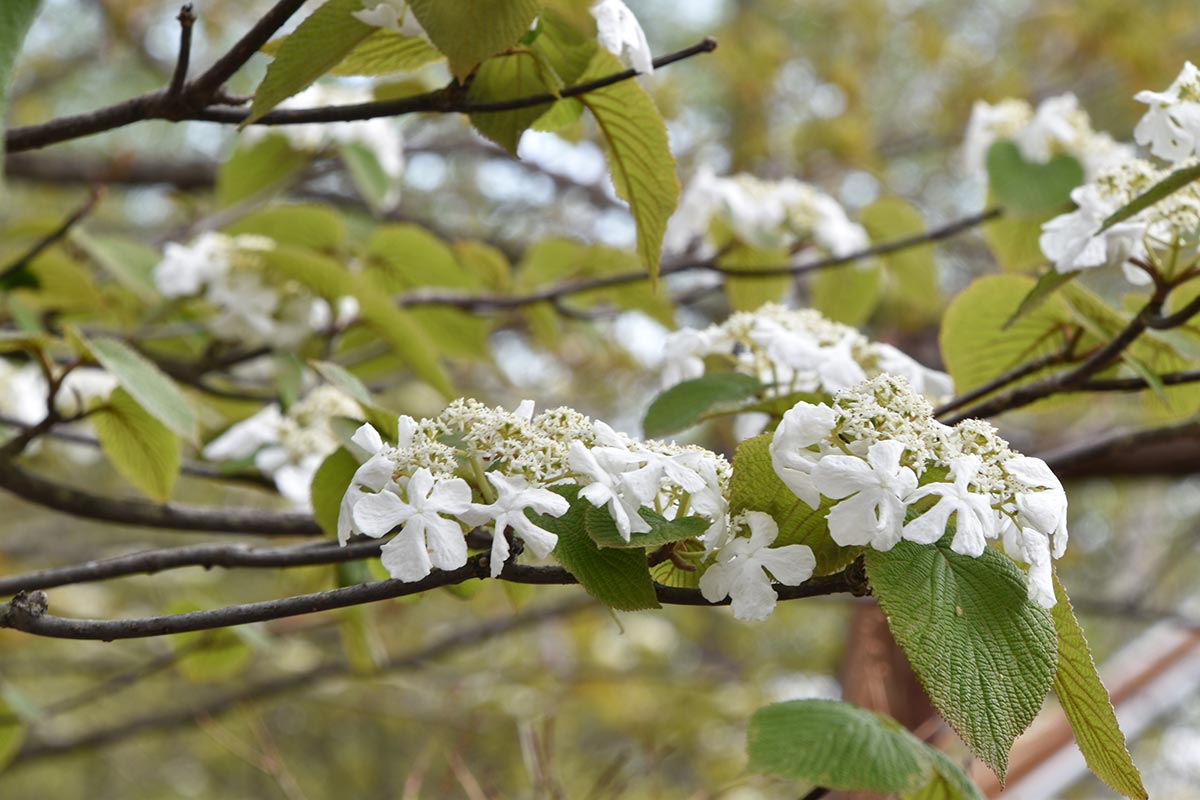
(187, 19)
(1012, 376)
(160, 721)
(55, 235)
(208, 85)
(27, 611)
(1137, 384)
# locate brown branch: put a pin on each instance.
(187, 19)
(206, 87)
(1137, 384)
(159, 721)
(1071, 459)
(27, 611)
(195, 104)
(1012, 376)
(78, 503)
(56, 235)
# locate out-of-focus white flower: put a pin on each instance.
(802, 427)
(924, 380)
(989, 124)
(876, 491)
(742, 566)
(514, 496)
(394, 15)
(1171, 126)
(619, 32)
(975, 521)
(426, 539)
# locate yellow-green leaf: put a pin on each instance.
(142, 450)
(146, 383)
(468, 31)
(508, 77)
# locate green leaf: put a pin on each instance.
(1086, 703)
(210, 656)
(984, 653)
(15, 18)
(685, 404)
(639, 156)
(747, 294)
(1047, 285)
(1030, 187)
(1167, 186)
(340, 377)
(848, 294)
(565, 48)
(837, 746)
(143, 450)
(146, 383)
(317, 45)
(911, 285)
(386, 52)
(976, 345)
(1013, 240)
(948, 782)
(12, 728)
(756, 487)
(329, 485)
(619, 578)
(130, 262)
(301, 224)
(603, 530)
(374, 185)
(258, 169)
(468, 31)
(508, 77)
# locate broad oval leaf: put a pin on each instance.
(1030, 187)
(468, 31)
(146, 383)
(837, 746)
(329, 485)
(685, 404)
(603, 530)
(984, 653)
(509, 77)
(140, 448)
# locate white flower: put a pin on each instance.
(1033, 547)
(514, 496)
(82, 389)
(1070, 240)
(426, 539)
(393, 15)
(975, 521)
(243, 439)
(877, 492)
(833, 365)
(1171, 126)
(375, 473)
(741, 568)
(604, 466)
(929, 382)
(989, 124)
(803, 426)
(1044, 506)
(619, 33)
(186, 269)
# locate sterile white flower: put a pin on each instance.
(426, 538)
(394, 15)
(803, 426)
(604, 467)
(1171, 126)
(741, 569)
(876, 492)
(619, 32)
(975, 521)
(1043, 506)
(514, 496)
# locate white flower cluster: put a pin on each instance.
(792, 350)
(1057, 126)
(288, 447)
(765, 214)
(1166, 234)
(473, 465)
(24, 391)
(879, 453)
(226, 271)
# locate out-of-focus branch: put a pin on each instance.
(78, 503)
(1172, 448)
(27, 611)
(54, 236)
(35, 750)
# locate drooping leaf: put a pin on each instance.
(140, 448)
(639, 156)
(1167, 186)
(1087, 706)
(684, 405)
(317, 45)
(146, 383)
(386, 52)
(603, 530)
(756, 487)
(329, 485)
(15, 18)
(503, 78)
(837, 746)
(258, 168)
(1046, 285)
(468, 31)
(619, 578)
(374, 185)
(1030, 187)
(947, 782)
(984, 653)
(210, 656)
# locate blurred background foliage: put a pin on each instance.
(867, 99)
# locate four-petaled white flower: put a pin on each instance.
(514, 496)
(1171, 126)
(619, 33)
(975, 521)
(803, 426)
(374, 474)
(1044, 506)
(426, 538)
(876, 492)
(604, 467)
(741, 567)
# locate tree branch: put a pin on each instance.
(27, 611)
(187, 19)
(1072, 458)
(55, 235)
(78, 503)
(35, 750)
(195, 104)
(209, 84)
(1012, 376)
